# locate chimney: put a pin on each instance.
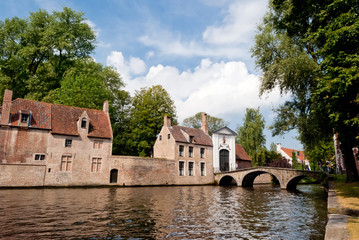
(6, 106)
(167, 121)
(204, 125)
(105, 107)
(279, 147)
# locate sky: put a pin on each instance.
(198, 50)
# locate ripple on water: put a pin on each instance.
(199, 212)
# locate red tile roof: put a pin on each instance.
(200, 137)
(289, 151)
(60, 119)
(241, 153)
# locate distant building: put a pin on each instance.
(227, 155)
(299, 155)
(191, 149)
(339, 159)
(243, 160)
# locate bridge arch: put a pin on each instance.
(227, 180)
(249, 178)
(293, 182)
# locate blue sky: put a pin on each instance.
(198, 50)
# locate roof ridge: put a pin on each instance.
(56, 104)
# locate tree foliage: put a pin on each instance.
(251, 136)
(149, 106)
(38, 50)
(213, 123)
(310, 49)
(281, 162)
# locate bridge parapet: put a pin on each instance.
(288, 178)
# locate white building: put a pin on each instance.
(224, 150)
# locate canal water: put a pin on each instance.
(183, 212)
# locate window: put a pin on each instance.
(83, 123)
(190, 169)
(202, 152)
(96, 164)
(24, 118)
(203, 169)
(160, 137)
(191, 138)
(66, 163)
(97, 144)
(39, 156)
(68, 142)
(181, 150)
(190, 151)
(181, 168)
(168, 136)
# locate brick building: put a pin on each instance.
(190, 148)
(66, 144)
(299, 155)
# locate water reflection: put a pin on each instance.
(200, 212)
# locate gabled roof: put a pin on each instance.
(200, 137)
(241, 153)
(289, 151)
(60, 119)
(225, 131)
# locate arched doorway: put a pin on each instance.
(224, 160)
(113, 176)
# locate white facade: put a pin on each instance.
(224, 146)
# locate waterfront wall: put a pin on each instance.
(132, 171)
(136, 171)
(22, 175)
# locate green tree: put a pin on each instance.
(310, 49)
(294, 161)
(251, 136)
(149, 106)
(213, 123)
(38, 50)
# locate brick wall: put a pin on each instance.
(21, 175)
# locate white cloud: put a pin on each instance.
(126, 68)
(231, 38)
(222, 88)
(238, 25)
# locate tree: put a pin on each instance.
(294, 161)
(310, 50)
(38, 50)
(251, 136)
(281, 162)
(149, 106)
(213, 123)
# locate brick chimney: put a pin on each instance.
(167, 121)
(204, 125)
(105, 107)
(6, 106)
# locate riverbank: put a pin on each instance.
(343, 209)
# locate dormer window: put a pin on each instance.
(24, 118)
(191, 139)
(83, 123)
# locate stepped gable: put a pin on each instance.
(241, 153)
(200, 137)
(64, 121)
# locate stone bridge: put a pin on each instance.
(288, 178)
